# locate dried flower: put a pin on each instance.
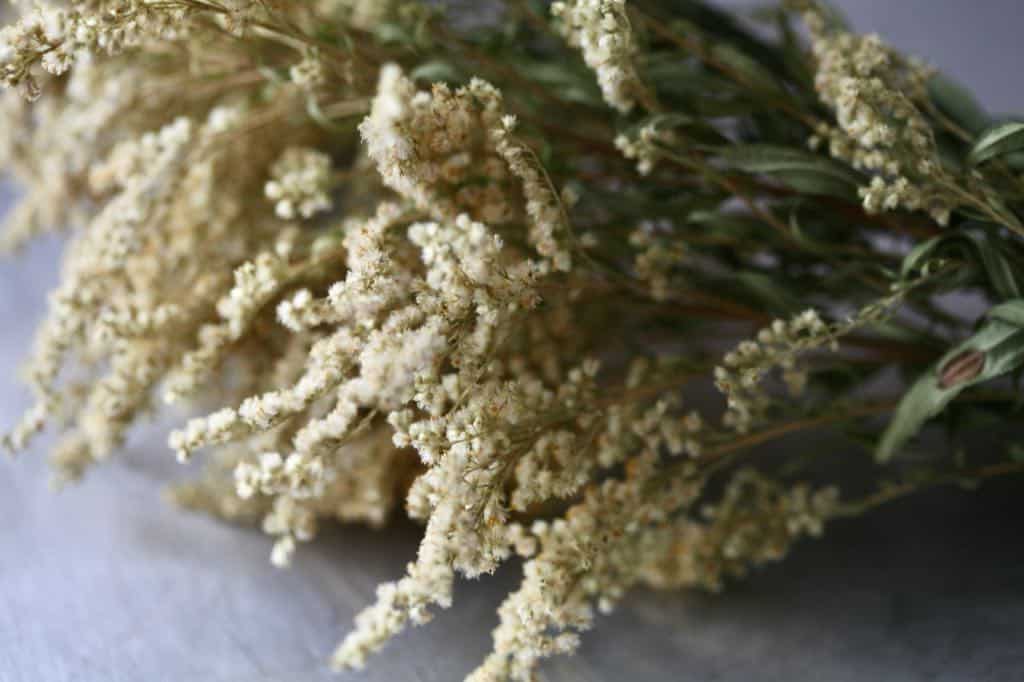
(300, 183)
(600, 29)
(460, 290)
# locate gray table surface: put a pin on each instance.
(106, 582)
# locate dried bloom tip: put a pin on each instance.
(310, 74)
(872, 90)
(600, 29)
(300, 182)
(777, 345)
(52, 38)
(425, 143)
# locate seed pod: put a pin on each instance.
(961, 368)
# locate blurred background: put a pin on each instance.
(107, 582)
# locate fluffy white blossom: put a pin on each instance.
(52, 38)
(425, 143)
(548, 221)
(600, 29)
(300, 183)
(881, 130)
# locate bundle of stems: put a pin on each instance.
(559, 280)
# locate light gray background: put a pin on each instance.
(106, 582)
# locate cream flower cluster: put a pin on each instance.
(781, 345)
(39, 38)
(548, 221)
(310, 73)
(52, 38)
(394, 327)
(462, 424)
(66, 136)
(95, 266)
(546, 444)
(658, 255)
(256, 282)
(880, 130)
(640, 148)
(601, 31)
(300, 183)
(778, 345)
(426, 144)
(757, 520)
(586, 559)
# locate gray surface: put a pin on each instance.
(105, 582)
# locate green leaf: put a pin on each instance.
(569, 80)
(766, 291)
(717, 26)
(803, 171)
(694, 131)
(393, 33)
(436, 70)
(958, 104)
(997, 141)
(999, 347)
(750, 72)
(1011, 312)
(688, 86)
(985, 254)
(725, 224)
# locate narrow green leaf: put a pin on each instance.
(392, 33)
(795, 168)
(1011, 312)
(996, 349)
(957, 103)
(985, 254)
(568, 79)
(752, 74)
(816, 183)
(436, 70)
(997, 141)
(735, 225)
(768, 292)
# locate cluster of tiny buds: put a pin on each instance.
(777, 345)
(879, 129)
(310, 73)
(756, 520)
(642, 146)
(300, 183)
(53, 37)
(548, 226)
(601, 30)
(658, 255)
(38, 37)
(297, 475)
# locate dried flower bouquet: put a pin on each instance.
(482, 267)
